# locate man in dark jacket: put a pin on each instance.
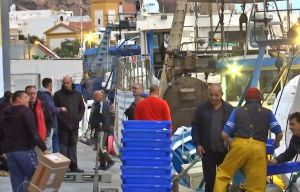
(45, 95)
(249, 126)
(100, 122)
(5, 102)
(209, 120)
(139, 95)
(19, 136)
(68, 121)
(294, 146)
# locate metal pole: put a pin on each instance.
(222, 28)
(211, 24)
(81, 35)
(258, 65)
(5, 82)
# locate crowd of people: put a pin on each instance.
(227, 139)
(33, 118)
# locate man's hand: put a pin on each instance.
(276, 144)
(272, 161)
(200, 150)
(46, 152)
(63, 109)
(227, 142)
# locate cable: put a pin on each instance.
(289, 67)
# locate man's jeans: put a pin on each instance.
(55, 144)
(21, 166)
(49, 142)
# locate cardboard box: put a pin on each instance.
(194, 175)
(49, 173)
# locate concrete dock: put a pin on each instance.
(86, 161)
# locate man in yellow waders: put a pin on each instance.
(249, 126)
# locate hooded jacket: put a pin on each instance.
(72, 100)
(45, 96)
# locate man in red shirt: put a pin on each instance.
(153, 107)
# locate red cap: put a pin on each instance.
(252, 93)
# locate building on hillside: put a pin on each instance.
(60, 33)
(72, 28)
(103, 12)
(34, 22)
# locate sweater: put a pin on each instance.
(18, 130)
(152, 108)
(291, 151)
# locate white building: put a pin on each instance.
(36, 22)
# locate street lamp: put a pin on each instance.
(90, 37)
(294, 34)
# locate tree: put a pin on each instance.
(68, 48)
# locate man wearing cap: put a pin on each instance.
(248, 126)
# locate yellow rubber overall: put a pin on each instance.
(249, 155)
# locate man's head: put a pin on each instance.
(154, 90)
(252, 94)
(31, 92)
(294, 123)
(215, 94)
(20, 98)
(137, 89)
(68, 82)
(47, 84)
(7, 96)
(98, 96)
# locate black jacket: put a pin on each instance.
(18, 130)
(291, 151)
(97, 117)
(73, 101)
(201, 124)
(129, 113)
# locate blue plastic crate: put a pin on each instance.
(146, 188)
(146, 170)
(282, 168)
(146, 161)
(146, 179)
(146, 152)
(270, 146)
(146, 133)
(141, 124)
(147, 143)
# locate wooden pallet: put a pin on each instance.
(108, 190)
(87, 177)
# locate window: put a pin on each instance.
(99, 21)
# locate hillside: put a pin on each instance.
(74, 5)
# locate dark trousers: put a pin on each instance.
(55, 143)
(210, 161)
(71, 153)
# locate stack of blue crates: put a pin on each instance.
(146, 156)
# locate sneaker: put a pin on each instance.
(109, 165)
(77, 170)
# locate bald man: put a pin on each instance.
(100, 122)
(153, 107)
(207, 125)
(68, 121)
